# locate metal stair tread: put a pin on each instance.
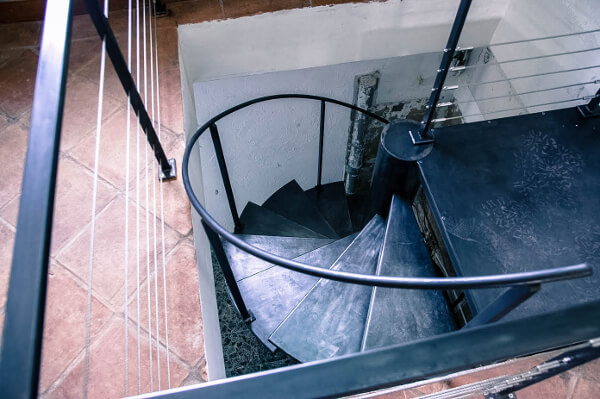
(258, 220)
(292, 202)
(272, 293)
(329, 321)
(332, 204)
(402, 315)
(244, 264)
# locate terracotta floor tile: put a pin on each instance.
(188, 12)
(17, 80)
(177, 206)
(109, 252)
(81, 109)
(170, 100)
(426, 389)
(6, 55)
(586, 389)
(7, 239)
(65, 320)
(82, 52)
(590, 371)
(20, 34)
(12, 151)
(113, 149)
(168, 49)
(107, 368)
(72, 208)
(83, 27)
(183, 310)
(241, 8)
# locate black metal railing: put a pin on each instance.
(26, 297)
(452, 53)
(215, 231)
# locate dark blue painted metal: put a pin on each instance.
(214, 134)
(500, 280)
(410, 362)
(506, 302)
(321, 136)
(457, 26)
(234, 290)
(24, 313)
(114, 52)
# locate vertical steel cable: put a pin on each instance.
(162, 217)
(147, 207)
(127, 177)
(88, 313)
(137, 202)
(154, 202)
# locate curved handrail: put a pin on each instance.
(502, 280)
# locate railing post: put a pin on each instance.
(321, 134)
(214, 133)
(167, 166)
(26, 298)
(506, 302)
(234, 289)
(422, 135)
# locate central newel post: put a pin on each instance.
(396, 170)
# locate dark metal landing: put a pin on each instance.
(291, 201)
(261, 221)
(244, 265)
(333, 205)
(330, 319)
(273, 293)
(399, 315)
(516, 194)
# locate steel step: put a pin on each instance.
(291, 202)
(244, 265)
(332, 204)
(261, 221)
(401, 315)
(273, 293)
(330, 320)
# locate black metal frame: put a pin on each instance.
(102, 25)
(406, 363)
(26, 298)
(434, 283)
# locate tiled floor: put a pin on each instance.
(64, 335)
(63, 360)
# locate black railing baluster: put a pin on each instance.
(234, 289)
(26, 298)
(321, 134)
(167, 166)
(423, 136)
(214, 133)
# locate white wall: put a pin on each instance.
(541, 18)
